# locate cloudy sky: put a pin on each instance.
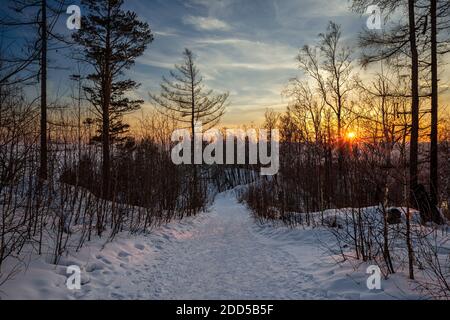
(246, 47)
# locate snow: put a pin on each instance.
(219, 254)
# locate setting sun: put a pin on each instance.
(351, 135)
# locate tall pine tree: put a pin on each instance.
(111, 40)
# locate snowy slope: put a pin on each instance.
(220, 254)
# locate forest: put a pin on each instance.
(364, 138)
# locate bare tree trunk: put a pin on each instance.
(414, 145)
(194, 167)
(106, 163)
(434, 182)
(386, 252)
(340, 172)
(43, 173)
(409, 245)
(407, 199)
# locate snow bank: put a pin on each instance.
(220, 254)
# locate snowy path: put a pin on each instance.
(223, 259)
(221, 254)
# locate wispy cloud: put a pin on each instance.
(206, 23)
(236, 53)
(165, 33)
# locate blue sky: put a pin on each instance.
(246, 47)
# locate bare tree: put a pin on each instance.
(185, 99)
(439, 22)
(331, 71)
(44, 14)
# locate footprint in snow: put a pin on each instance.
(94, 267)
(165, 236)
(139, 246)
(123, 254)
(103, 259)
(115, 295)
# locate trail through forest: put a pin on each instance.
(219, 254)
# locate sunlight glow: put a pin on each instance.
(351, 135)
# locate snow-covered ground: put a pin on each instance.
(220, 254)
